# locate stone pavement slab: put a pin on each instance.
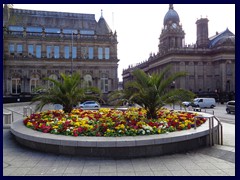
(21, 161)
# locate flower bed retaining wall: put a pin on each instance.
(114, 147)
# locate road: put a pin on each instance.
(219, 111)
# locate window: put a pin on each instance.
(88, 80)
(11, 49)
(30, 50)
(56, 52)
(228, 69)
(100, 53)
(104, 83)
(49, 52)
(74, 52)
(70, 31)
(19, 49)
(34, 29)
(52, 30)
(90, 52)
(38, 51)
(107, 52)
(16, 85)
(52, 76)
(84, 52)
(15, 28)
(66, 52)
(34, 82)
(90, 32)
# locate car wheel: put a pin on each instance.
(228, 111)
(212, 106)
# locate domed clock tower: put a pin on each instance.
(172, 35)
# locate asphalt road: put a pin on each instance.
(219, 111)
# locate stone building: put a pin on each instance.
(210, 63)
(39, 44)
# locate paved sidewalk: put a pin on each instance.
(21, 161)
(212, 161)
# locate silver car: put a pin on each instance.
(89, 104)
(230, 107)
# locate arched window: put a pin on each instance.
(88, 80)
(34, 82)
(104, 83)
(16, 85)
(52, 76)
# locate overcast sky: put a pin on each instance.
(139, 26)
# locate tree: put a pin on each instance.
(66, 92)
(153, 91)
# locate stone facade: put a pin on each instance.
(40, 44)
(210, 63)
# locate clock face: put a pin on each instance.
(174, 25)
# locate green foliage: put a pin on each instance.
(153, 91)
(66, 92)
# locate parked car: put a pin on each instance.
(204, 102)
(89, 104)
(230, 107)
(187, 103)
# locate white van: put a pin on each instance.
(204, 102)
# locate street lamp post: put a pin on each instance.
(72, 55)
(173, 87)
(72, 52)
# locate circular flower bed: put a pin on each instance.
(108, 122)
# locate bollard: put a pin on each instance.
(7, 118)
(25, 111)
(30, 110)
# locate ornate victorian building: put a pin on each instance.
(39, 44)
(210, 63)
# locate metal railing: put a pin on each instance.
(8, 117)
(212, 130)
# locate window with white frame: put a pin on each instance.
(50, 83)
(16, 85)
(88, 80)
(104, 83)
(34, 82)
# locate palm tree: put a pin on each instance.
(67, 93)
(153, 91)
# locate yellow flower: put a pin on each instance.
(77, 124)
(29, 124)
